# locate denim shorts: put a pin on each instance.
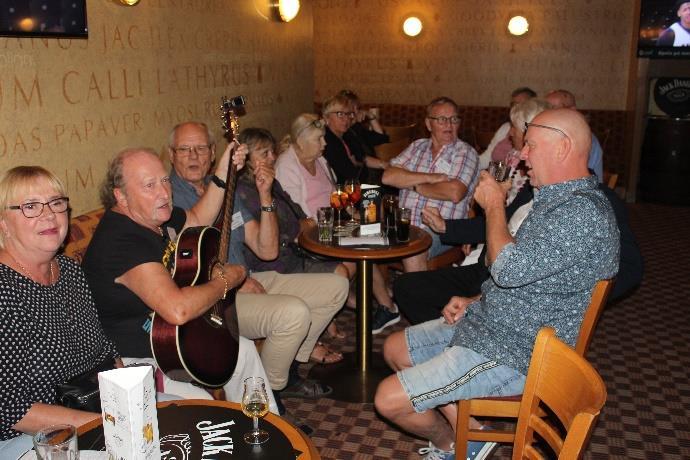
(441, 374)
(437, 247)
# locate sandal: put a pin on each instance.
(306, 388)
(328, 357)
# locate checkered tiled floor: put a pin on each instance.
(641, 348)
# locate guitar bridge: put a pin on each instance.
(217, 320)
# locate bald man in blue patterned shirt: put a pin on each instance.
(544, 276)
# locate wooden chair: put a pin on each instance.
(610, 179)
(572, 390)
(509, 407)
(390, 150)
(395, 133)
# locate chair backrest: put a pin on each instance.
(392, 149)
(610, 179)
(600, 294)
(395, 133)
(564, 382)
(481, 139)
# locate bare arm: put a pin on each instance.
(152, 283)
(402, 178)
(205, 211)
(42, 415)
(450, 190)
(491, 197)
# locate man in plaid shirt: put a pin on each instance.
(440, 172)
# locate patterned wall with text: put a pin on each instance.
(465, 51)
(70, 104)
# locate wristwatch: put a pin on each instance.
(220, 183)
(269, 208)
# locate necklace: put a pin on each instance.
(30, 275)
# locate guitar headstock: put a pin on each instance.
(230, 112)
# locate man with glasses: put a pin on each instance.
(542, 276)
(289, 310)
(564, 99)
(440, 171)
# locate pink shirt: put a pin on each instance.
(319, 188)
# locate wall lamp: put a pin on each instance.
(412, 26)
(284, 10)
(127, 2)
(518, 25)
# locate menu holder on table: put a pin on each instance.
(368, 240)
(130, 419)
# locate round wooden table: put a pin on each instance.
(355, 380)
(179, 425)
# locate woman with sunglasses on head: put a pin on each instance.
(349, 144)
(305, 175)
(49, 330)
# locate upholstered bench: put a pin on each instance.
(81, 230)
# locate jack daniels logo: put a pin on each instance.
(198, 432)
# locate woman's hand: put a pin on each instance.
(264, 175)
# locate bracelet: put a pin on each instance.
(270, 208)
(221, 275)
(220, 183)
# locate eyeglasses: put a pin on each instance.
(35, 208)
(340, 114)
(186, 150)
(455, 120)
(527, 125)
(318, 124)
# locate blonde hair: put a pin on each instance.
(19, 180)
(304, 123)
(338, 99)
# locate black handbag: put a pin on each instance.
(82, 392)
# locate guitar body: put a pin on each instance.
(204, 349)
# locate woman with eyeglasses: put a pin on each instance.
(349, 144)
(49, 330)
(304, 174)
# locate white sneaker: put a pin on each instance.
(434, 453)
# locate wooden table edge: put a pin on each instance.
(297, 437)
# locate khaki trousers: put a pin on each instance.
(290, 316)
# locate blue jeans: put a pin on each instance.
(436, 247)
(441, 374)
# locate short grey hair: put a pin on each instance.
(442, 101)
(204, 126)
(114, 176)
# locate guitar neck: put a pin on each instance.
(228, 203)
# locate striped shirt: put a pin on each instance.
(457, 160)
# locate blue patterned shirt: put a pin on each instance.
(566, 244)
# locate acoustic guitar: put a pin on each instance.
(205, 349)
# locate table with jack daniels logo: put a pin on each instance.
(202, 429)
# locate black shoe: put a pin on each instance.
(383, 318)
(306, 388)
